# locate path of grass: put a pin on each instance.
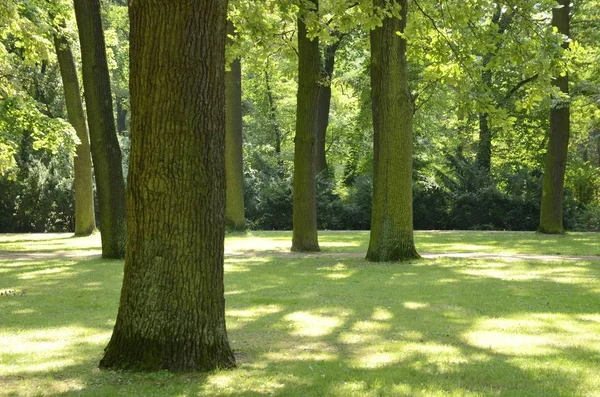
(327, 326)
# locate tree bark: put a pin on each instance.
(304, 237)
(172, 309)
(324, 107)
(392, 216)
(484, 146)
(106, 152)
(121, 117)
(85, 219)
(273, 113)
(551, 209)
(234, 167)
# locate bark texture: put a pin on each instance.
(392, 217)
(172, 309)
(324, 107)
(85, 219)
(234, 167)
(305, 236)
(551, 209)
(106, 152)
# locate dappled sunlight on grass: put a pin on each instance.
(313, 324)
(563, 272)
(48, 242)
(329, 325)
(536, 334)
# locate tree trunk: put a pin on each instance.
(484, 146)
(273, 113)
(106, 152)
(172, 309)
(121, 117)
(392, 215)
(85, 219)
(234, 167)
(305, 202)
(324, 107)
(551, 209)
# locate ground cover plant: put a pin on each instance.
(327, 324)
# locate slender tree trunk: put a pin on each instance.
(121, 117)
(484, 146)
(106, 152)
(234, 167)
(172, 310)
(324, 107)
(305, 236)
(551, 209)
(392, 216)
(273, 113)
(85, 219)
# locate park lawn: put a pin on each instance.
(574, 243)
(329, 325)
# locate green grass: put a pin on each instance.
(333, 325)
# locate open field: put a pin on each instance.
(326, 324)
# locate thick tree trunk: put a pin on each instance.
(305, 202)
(106, 152)
(392, 216)
(551, 209)
(85, 219)
(172, 310)
(324, 108)
(234, 167)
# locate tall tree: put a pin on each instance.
(106, 152)
(392, 217)
(324, 106)
(234, 169)
(172, 310)
(551, 210)
(85, 219)
(305, 236)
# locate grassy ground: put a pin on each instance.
(333, 325)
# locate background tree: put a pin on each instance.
(551, 209)
(309, 70)
(106, 152)
(85, 219)
(392, 220)
(172, 310)
(234, 169)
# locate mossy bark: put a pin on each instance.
(234, 167)
(85, 219)
(172, 308)
(392, 216)
(106, 153)
(305, 236)
(551, 209)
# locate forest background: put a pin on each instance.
(480, 76)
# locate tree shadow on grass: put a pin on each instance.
(329, 326)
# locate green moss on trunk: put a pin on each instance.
(234, 169)
(172, 309)
(85, 219)
(392, 218)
